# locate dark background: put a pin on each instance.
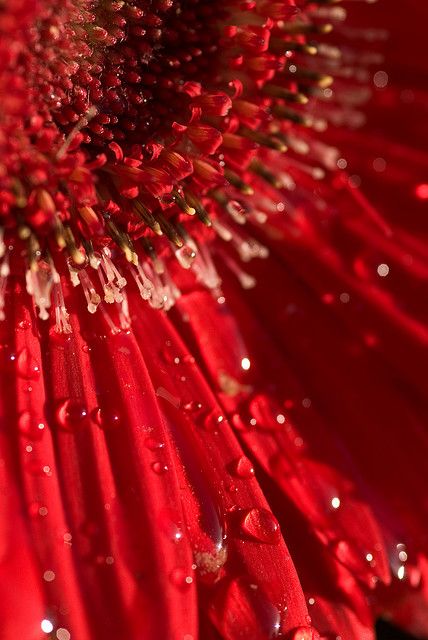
(386, 631)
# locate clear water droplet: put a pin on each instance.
(193, 407)
(71, 414)
(242, 467)
(261, 525)
(30, 427)
(27, 366)
(170, 524)
(153, 444)
(214, 420)
(107, 418)
(159, 468)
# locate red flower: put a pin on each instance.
(212, 345)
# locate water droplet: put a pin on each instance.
(30, 427)
(107, 417)
(243, 468)
(181, 578)
(71, 414)
(305, 633)
(261, 525)
(27, 366)
(153, 444)
(159, 467)
(213, 421)
(193, 407)
(86, 348)
(170, 523)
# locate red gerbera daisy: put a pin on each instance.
(212, 344)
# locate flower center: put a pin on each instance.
(124, 123)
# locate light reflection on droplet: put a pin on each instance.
(380, 79)
(245, 364)
(383, 270)
(46, 626)
(49, 576)
(369, 557)
(401, 572)
(280, 418)
(63, 634)
(335, 502)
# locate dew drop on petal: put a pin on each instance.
(152, 444)
(261, 525)
(170, 524)
(107, 418)
(159, 468)
(213, 421)
(30, 427)
(26, 365)
(193, 407)
(242, 468)
(71, 414)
